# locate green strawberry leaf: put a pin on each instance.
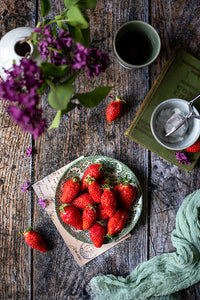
(59, 96)
(75, 18)
(93, 98)
(50, 70)
(45, 7)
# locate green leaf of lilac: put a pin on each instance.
(45, 7)
(42, 88)
(75, 18)
(70, 3)
(93, 98)
(81, 3)
(54, 31)
(58, 71)
(60, 96)
(60, 113)
(87, 4)
(80, 35)
(62, 25)
(70, 79)
(45, 21)
(56, 120)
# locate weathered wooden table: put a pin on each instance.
(29, 274)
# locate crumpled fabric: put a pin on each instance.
(162, 277)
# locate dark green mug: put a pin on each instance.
(136, 44)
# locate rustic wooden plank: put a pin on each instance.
(15, 170)
(177, 22)
(86, 132)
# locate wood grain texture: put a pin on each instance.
(15, 170)
(28, 274)
(177, 23)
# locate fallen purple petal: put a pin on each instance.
(42, 202)
(25, 187)
(182, 159)
(29, 151)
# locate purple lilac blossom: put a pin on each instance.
(92, 59)
(47, 42)
(80, 57)
(42, 202)
(29, 151)
(20, 89)
(182, 159)
(25, 187)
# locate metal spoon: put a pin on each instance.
(191, 114)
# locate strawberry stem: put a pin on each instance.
(27, 230)
(61, 208)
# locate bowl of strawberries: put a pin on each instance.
(98, 200)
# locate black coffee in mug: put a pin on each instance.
(134, 47)
(136, 44)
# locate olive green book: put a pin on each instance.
(180, 78)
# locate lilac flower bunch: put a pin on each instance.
(50, 46)
(63, 47)
(62, 50)
(21, 89)
(91, 59)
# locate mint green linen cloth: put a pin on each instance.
(162, 276)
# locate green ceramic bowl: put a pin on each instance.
(113, 169)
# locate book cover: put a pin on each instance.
(180, 78)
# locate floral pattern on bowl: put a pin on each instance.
(115, 170)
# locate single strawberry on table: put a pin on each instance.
(126, 193)
(114, 109)
(94, 189)
(195, 147)
(117, 222)
(71, 189)
(34, 240)
(71, 215)
(89, 217)
(95, 171)
(109, 201)
(97, 233)
(82, 201)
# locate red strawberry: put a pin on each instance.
(94, 170)
(109, 201)
(117, 222)
(97, 234)
(34, 240)
(195, 147)
(89, 217)
(82, 201)
(94, 189)
(125, 193)
(71, 189)
(101, 213)
(71, 215)
(114, 109)
(104, 181)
